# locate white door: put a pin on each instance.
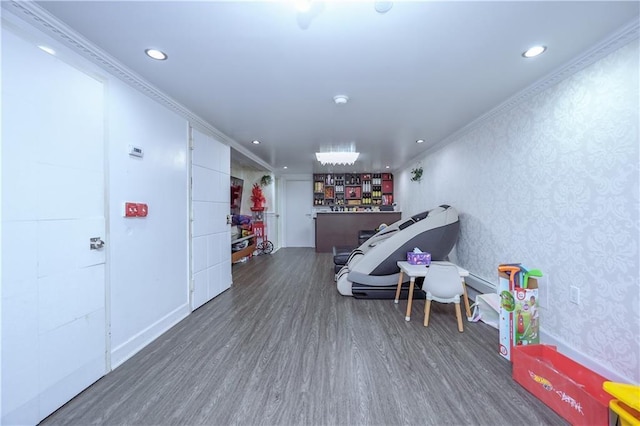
(210, 206)
(53, 283)
(299, 230)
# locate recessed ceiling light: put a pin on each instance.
(256, 142)
(340, 99)
(383, 6)
(534, 51)
(47, 49)
(387, 167)
(285, 167)
(420, 141)
(156, 54)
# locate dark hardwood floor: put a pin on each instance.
(283, 347)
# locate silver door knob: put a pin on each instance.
(95, 243)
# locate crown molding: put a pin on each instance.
(33, 14)
(615, 41)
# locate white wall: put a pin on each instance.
(554, 183)
(148, 260)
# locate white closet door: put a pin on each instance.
(299, 227)
(53, 284)
(210, 205)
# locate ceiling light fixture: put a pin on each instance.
(383, 6)
(302, 5)
(255, 142)
(285, 167)
(534, 51)
(156, 54)
(387, 167)
(340, 99)
(420, 141)
(47, 49)
(337, 157)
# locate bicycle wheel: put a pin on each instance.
(267, 247)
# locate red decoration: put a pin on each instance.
(257, 197)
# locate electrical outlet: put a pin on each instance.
(574, 295)
(130, 209)
(142, 210)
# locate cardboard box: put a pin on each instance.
(519, 322)
(567, 387)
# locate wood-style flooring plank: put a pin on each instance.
(283, 347)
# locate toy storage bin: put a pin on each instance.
(569, 388)
(625, 392)
(627, 416)
(626, 403)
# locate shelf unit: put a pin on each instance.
(318, 190)
(353, 189)
(247, 251)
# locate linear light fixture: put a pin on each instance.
(337, 157)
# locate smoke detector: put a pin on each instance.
(383, 6)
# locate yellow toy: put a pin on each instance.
(627, 402)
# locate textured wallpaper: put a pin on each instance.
(554, 184)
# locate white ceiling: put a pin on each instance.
(423, 70)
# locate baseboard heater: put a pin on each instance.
(361, 291)
(477, 285)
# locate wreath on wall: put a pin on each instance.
(416, 174)
(266, 180)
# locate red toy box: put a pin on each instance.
(570, 389)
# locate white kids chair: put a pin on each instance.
(442, 284)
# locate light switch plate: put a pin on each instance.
(136, 151)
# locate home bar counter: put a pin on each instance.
(341, 228)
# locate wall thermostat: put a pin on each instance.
(135, 151)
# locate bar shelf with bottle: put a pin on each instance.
(353, 189)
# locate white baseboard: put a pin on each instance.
(128, 349)
(26, 414)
